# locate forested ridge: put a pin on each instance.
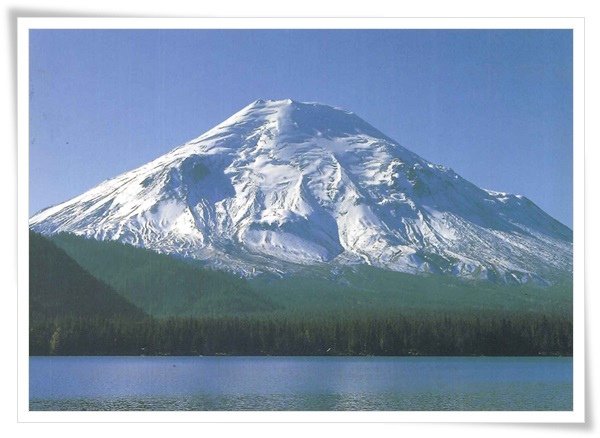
(141, 303)
(162, 285)
(59, 287)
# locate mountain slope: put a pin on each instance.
(160, 285)
(164, 287)
(366, 290)
(59, 287)
(282, 184)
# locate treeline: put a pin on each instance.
(162, 285)
(438, 335)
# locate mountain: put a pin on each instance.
(282, 185)
(59, 287)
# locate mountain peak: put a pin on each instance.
(278, 102)
(282, 184)
(293, 121)
(287, 104)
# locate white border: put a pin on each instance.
(576, 24)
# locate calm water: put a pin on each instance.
(300, 383)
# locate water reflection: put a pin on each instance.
(300, 383)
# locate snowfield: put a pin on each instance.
(283, 184)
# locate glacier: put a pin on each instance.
(281, 185)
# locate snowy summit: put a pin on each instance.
(282, 184)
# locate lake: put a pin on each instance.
(301, 383)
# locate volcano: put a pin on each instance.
(282, 185)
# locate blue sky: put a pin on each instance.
(496, 106)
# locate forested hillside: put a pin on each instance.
(162, 285)
(194, 310)
(165, 286)
(366, 289)
(59, 287)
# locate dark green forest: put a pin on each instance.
(389, 336)
(161, 285)
(59, 287)
(106, 298)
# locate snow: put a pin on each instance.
(304, 183)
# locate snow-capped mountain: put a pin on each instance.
(283, 184)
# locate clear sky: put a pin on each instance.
(496, 106)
